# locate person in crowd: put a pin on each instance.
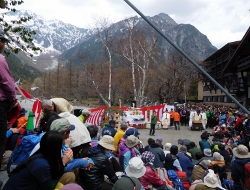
(230, 119)
(185, 162)
(110, 129)
(150, 177)
(165, 120)
(11, 131)
(22, 120)
(225, 154)
(210, 182)
(203, 119)
(167, 148)
(193, 149)
(222, 117)
(171, 117)
(45, 168)
(159, 141)
(156, 149)
(7, 94)
(238, 124)
(153, 123)
(215, 144)
(199, 170)
(242, 156)
(197, 158)
(94, 179)
(135, 168)
(93, 131)
(150, 141)
(217, 159)
(127, 183)
(204, 143)
(171, 159)
(207, 154)
(84, 115)
(185, 142)
(177, 119)
(126, 151)
(119, 135)
(80, 136)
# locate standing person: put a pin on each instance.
(203, 119)
(7, 94)
(177, 118)
(165, 120)
(171, 117)
(153, 123)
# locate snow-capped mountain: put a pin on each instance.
(186, 36)
(52, 36)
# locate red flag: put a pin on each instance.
(36, 109)
(96, 115)
(22, 91)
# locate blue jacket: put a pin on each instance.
(186, 165)
(109, 130)
(204, 144)
(238, 172)
(159, 154)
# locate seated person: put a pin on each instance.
(199, 170)
(217, 159)
(198, 158)
(125, 182)
(210, 182)
(40, 171)
(193, 149)
(94, 179)
(150, 176)
(171, 159)
(167, 148)
(150, 141)
(225, 154)
(186, 163)
(11, 131)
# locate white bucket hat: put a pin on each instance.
(211, 180)
(135, 168)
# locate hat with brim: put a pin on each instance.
(61, 125)
(126, 182)
(207, 152)
(241, 151)
(132, 141)
(135, 168)
(107, 142)
(210, 180)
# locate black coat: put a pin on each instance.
(93, 179)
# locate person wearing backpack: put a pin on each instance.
(44, 169)
(149, 176)
(242, 157)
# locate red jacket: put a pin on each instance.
(238, 122)
(151, 177)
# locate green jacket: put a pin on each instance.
(153, 119)
(81, 118)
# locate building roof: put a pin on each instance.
(245, 41)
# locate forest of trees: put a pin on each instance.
(132, 69)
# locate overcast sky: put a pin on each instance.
(221, 21)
